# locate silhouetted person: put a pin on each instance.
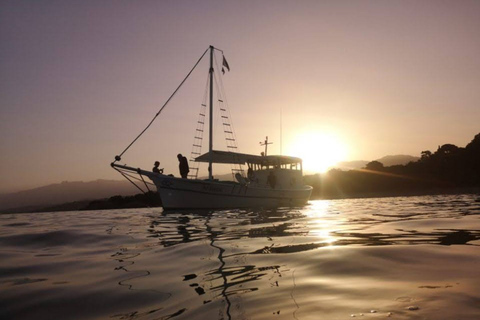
(272, 180)
(240, 179)
(156, 169)
(183, 166)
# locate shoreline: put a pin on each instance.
(141, 201)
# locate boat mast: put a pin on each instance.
(281, 143)
(266, 143)
(210, 141)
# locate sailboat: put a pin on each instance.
(271, 180)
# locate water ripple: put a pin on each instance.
(405, 257)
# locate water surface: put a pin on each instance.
(398, 258)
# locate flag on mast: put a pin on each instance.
(225, 64)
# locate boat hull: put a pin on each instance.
(177, 193)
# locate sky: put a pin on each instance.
(361, 79)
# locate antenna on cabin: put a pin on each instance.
(281, 140)
(266, 143)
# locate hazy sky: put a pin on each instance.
(80, 79)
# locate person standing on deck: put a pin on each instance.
(183, 166)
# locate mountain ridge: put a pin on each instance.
(387, 161)
(66, 191)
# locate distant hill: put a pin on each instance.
(59, 193)
(351, 165)
(400, 159)
(387, 161)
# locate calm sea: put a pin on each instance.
(398, 258)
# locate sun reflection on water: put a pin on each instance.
(318, 208)
(320, 226)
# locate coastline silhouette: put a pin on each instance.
(450, 169)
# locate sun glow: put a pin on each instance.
(319, 151)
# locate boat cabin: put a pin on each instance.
(281, 172)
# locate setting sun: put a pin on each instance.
(319, 151)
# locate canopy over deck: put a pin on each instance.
(242, 158)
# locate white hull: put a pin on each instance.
(177, 193)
